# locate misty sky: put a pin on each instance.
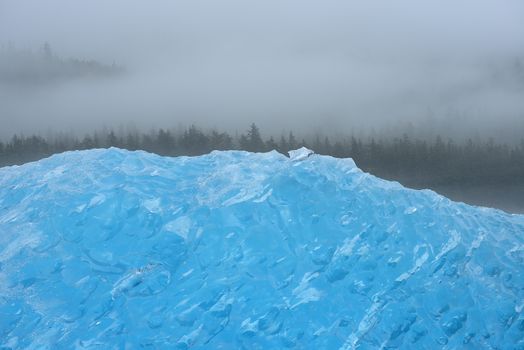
(287, 64)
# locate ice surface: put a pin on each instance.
(300, 154)
(110, 249)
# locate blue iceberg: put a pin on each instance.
(111, 249)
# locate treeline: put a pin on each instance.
(44, 66)
(416, 163)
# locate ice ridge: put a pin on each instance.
(112, 249)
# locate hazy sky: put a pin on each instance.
(285, 64)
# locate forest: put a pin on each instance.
(27, 67)
(414, 162)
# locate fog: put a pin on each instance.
(451, 67)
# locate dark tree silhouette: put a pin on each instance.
(253, 141)
(416, 163)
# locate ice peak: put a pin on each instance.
(300, 154)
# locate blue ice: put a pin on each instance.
(111, 249)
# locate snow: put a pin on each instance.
(107, 249)
(300, 154)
